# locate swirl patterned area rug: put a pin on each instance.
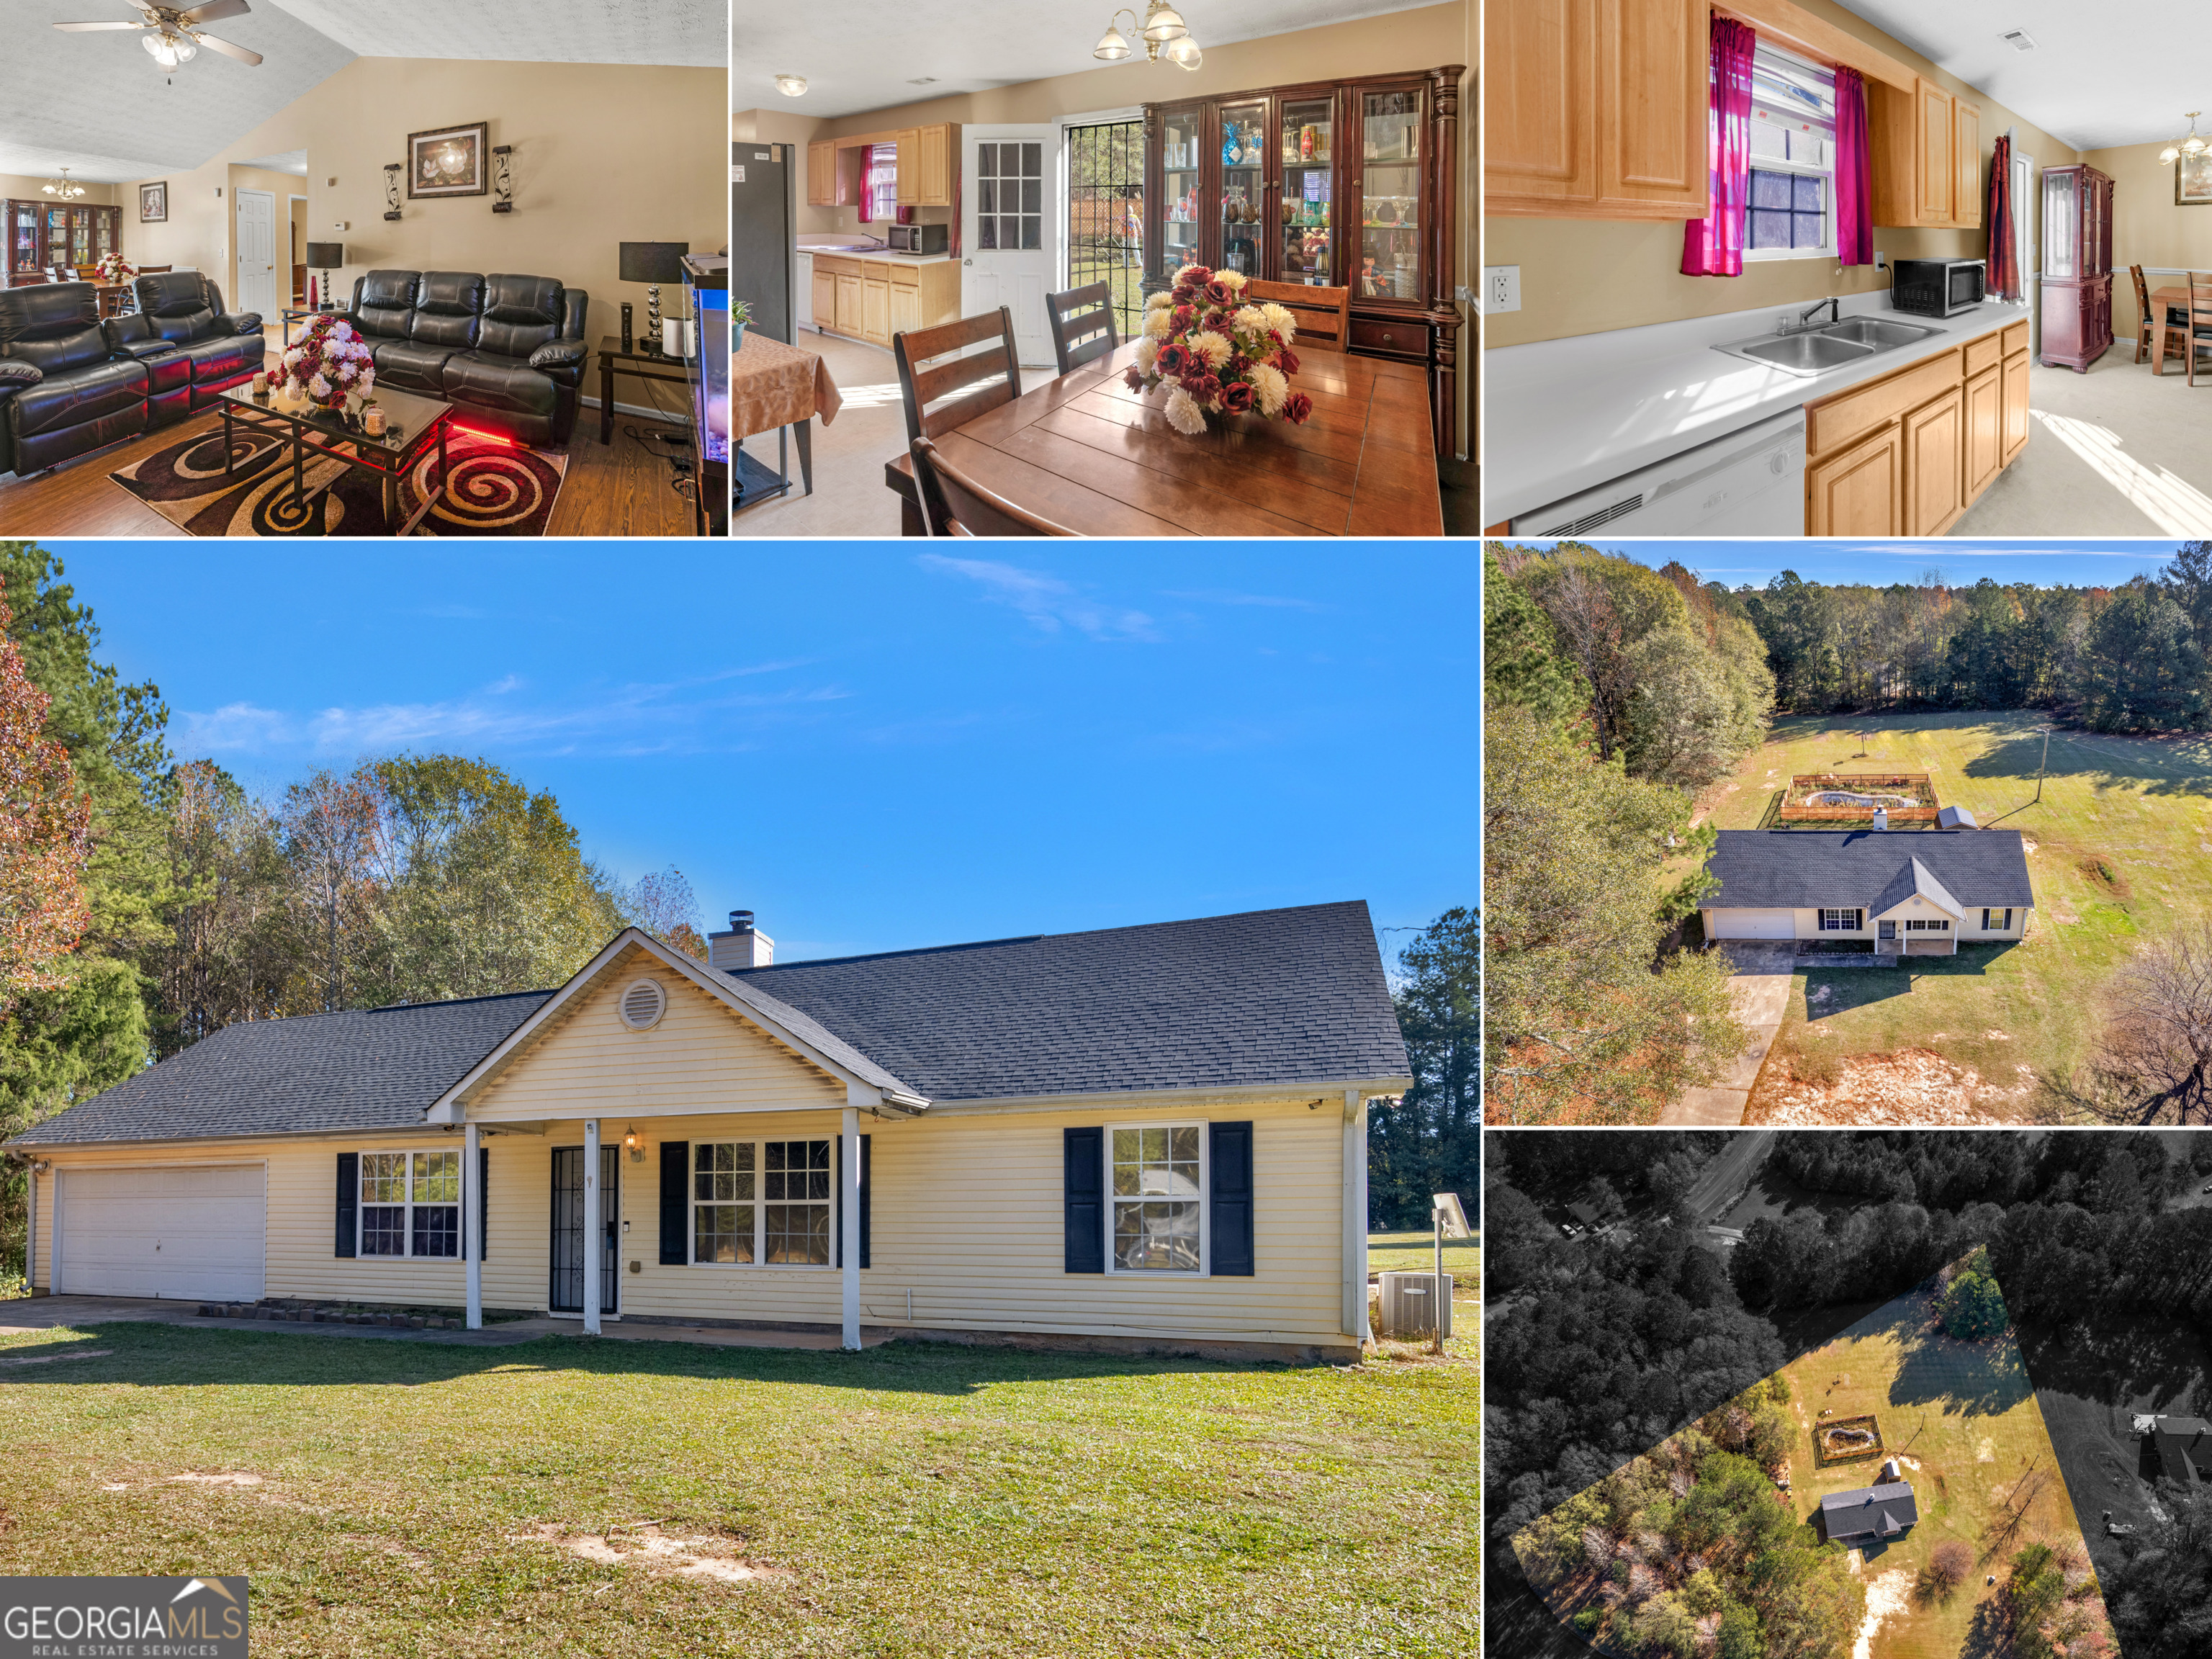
(493, 489)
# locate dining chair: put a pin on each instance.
(2199, 335)
(153, 270)
(2144, 320)
(1324, 314)
(924, 381)
(1082, 327)
(954, 504)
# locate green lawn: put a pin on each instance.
(917, 1499)
(2122, 846)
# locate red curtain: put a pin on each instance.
(1713, 245)
(1854, 173)
(2004, 282)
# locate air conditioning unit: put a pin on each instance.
(1408, 1305)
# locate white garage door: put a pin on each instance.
(1754, 924)
(187, 1234)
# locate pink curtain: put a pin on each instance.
(1854, 173)
(1713, 245)
(2003, 256)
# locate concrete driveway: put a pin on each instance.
(1760, 992)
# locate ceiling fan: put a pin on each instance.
(174, 36)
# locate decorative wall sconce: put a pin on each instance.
(391, 172)
(503, 185)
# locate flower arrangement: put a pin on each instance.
(327, 361)
(115, 269)
(1222, 355)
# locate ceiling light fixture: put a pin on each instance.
(1164, 32)
(2192, 145)
(169, 50)
(791, 86)
(65, 187)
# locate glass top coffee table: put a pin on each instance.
(412, 424)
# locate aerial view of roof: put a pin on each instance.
(1882, 1512)
(1797, 868)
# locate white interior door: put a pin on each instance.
(185, 1233)
(1009, 241)
(255, 289)
(2026, 222)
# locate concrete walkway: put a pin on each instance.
(1760, 992)
(49, 1312)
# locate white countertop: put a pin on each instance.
(886, 255)
(1560, 416)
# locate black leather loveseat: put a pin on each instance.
(507, 352)
(71, 384)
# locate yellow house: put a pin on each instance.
(1152, 1135)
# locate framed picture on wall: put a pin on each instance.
(2192, 180)
(450, 161)
(154, 204)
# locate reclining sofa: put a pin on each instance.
(70, 383)
(507, 352)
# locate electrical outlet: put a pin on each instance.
(1501, 288)
(1881, 260)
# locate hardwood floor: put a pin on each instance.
(619, 489)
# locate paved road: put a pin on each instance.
(1726, 1176)
(1760, 992)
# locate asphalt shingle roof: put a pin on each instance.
(1270, 996)
(1886, 1508)
(372, 1068)
(1807, 869)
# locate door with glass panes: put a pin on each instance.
(1008, 229)
(1386, 261)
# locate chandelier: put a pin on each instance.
(1164, 32)
(65, 187)
(2192, 145)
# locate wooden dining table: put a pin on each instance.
(1088, 453)
(2161, 299)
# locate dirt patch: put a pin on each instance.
(1986, 1452)
(1914, 1086)
(663, 1555)
(219, 1479)
(1885, 1599)
(2104, 873)
(56, 1359)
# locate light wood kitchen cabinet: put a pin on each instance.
(1967, 157)
(848, 304)
(1985, 431)
(925, 165)
(909, 166)
(875, 305)
(872, 297)
(822, 174)
(2015, 405)
(1927, 156)
(1935, 463)
(1596, 109)
(825, 298)
(1857, 492)
(905, 302)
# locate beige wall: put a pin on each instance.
(2148, 228)
(787, 127)
(296, 216)
(604, 153)
(1584, 277)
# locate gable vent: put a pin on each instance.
(642, 1004)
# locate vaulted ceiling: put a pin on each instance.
(872, 54)
(97, 104)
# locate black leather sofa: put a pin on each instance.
(71, 384)
(507, 352)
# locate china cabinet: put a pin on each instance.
(1330, 183)
(42, 234)
(2078, 267)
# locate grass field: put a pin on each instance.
(2122, 847)
(1962, 1420)
(413, 1498)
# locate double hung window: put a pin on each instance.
(1917, 925)
(762, 1201)
(1839, 921)
(411, 1204)
(1159, 1178)
(882, 182)
(1792, 210)
(1997, 921)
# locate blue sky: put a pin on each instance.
(1962, 563)
(871, 748)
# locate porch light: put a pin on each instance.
(630, 1140)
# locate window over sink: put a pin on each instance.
(1792, 214)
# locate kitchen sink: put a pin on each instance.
(1813, 351)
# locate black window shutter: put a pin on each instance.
(1230, 1168)
(675, 1186)
(483, 1200)
(838, 1209)
(348, 1196)
(864, 1140)
(1084, 1197)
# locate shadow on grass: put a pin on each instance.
(1515, 1621)
(1851, 989)
(2164, 766)
(167, 1356)
(2121, 1360)
(1989, 1636)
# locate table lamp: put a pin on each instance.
(653, 263)
(323, 256)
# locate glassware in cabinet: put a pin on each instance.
(1389, 196)
(1309, 170)
(1243, 185)
(1181, 209)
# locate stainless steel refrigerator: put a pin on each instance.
(764, 234)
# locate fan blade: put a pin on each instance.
(227, 49)
(214, 12)
(81, 27)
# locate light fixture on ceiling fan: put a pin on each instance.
(65, 187)
(2192, 145)
(173, 36)
(1164, 32)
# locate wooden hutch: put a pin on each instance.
(43, 232)
(1330, 183)
(2077, 267)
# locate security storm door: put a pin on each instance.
(567, 1294)
(256, 287)
(1010, 218)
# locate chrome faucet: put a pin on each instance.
(1805, 317)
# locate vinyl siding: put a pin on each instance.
(42, 1239)
(701, 1057)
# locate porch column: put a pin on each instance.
(1353, 1204)
(473, 1201)
(595, 1242)
(848, 1211)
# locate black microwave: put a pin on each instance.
(1937, 288)
(918, 239)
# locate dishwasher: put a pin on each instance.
(1751, 483)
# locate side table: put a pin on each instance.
(611, 354)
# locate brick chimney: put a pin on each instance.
(743, 946)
